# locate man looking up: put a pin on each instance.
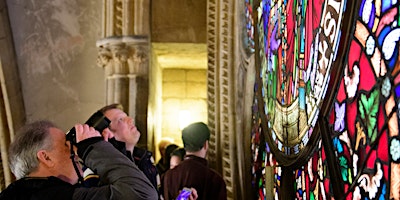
(126, 137)
(193, 171)
(40, 159)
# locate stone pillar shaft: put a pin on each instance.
(125, 62)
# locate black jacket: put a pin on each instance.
(39, 188)
(142, 158)
(119, 179)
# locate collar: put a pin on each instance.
(200, 160)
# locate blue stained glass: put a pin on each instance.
(386, 5)
(393, 60)
(391, 44)
(383, 35)
(361, 8)
(397, 91)
(338, 145)
(300, 192)
(382, 196)
(371, 17)
(302, 98)
(302, 44)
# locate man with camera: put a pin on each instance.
(124, 136)
(40, 158)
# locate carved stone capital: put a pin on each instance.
(126, 55)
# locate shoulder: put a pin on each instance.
(216, 177)
(172, 172)
(141, 153)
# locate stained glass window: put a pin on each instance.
(297, 43)
(365, 114)
(296, 51)
(363, 118)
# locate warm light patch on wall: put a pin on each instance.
(184, 118)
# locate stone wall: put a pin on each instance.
(183, 90)
(181, 21)
(55, 45)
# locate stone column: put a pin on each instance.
(123, 53)
(125, 62)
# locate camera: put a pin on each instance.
(98, 121)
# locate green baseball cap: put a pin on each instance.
(194, 136)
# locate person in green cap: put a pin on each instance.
(193, 172)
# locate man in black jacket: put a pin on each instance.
(40, 160)
(125, 136)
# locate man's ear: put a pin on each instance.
(205, 145)
(45, 158)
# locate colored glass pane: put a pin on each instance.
(296, 50)
(365, 114)
(249, 22)
(312, 179)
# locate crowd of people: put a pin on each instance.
(107, 164)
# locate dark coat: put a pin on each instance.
(142, 158)
(194, 172)
(38, 188)
(120, 179)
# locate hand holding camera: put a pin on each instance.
(97, 122)
(84, 131)
(92, 128)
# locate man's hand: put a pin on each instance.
(107, 134)
(193, 195)
(83, 131)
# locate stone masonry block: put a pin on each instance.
(173, 75)
(174, 89)
(199, 76)
(196, 90)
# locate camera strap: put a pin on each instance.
(72, 156)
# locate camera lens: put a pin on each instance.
(98, 121)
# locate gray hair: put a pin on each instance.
(30, 139)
